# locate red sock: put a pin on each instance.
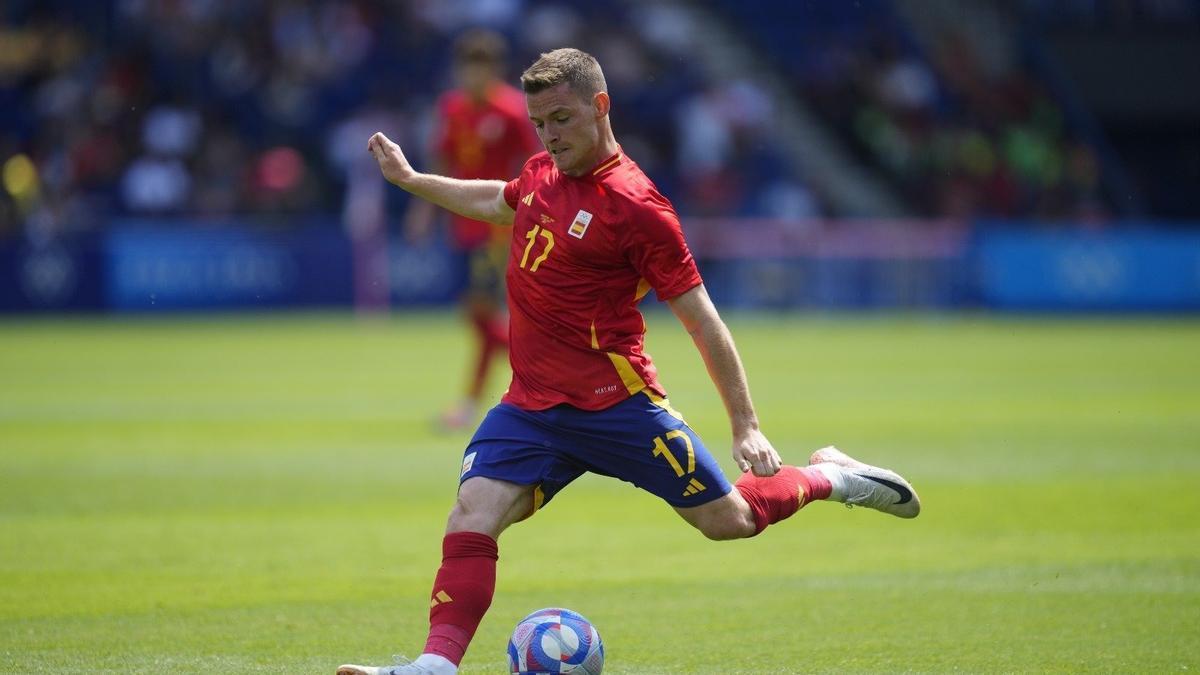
(462, 593)
(776, 497)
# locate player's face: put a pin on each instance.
(568, 126)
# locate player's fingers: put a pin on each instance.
(381, 154)
(757, 457)
(760, 468)
(770, 461)
(774, 462)
(379, 145)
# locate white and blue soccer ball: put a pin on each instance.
(555, 640)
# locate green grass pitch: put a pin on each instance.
(266, 495)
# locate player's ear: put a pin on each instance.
(601, 103)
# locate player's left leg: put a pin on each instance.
(832, 475)
(645, 441)
(758, 501)
(857, 483)
(729, 517)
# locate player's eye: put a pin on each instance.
(563, 119)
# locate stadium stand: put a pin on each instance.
(120, 119)
(138, 107)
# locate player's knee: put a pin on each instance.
(472, 516)
(726, 528)
(488, 507)
(461, 516)
(726, 518)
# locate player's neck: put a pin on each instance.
(604, 150)
(607, 148)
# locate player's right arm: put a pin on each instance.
(422, 215)
(475, 199)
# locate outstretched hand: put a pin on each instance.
(753, 452)
(392, 162)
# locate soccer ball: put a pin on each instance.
(555, 640)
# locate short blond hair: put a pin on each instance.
(573, 66)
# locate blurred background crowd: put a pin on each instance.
(964, 110)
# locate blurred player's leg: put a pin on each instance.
(859, 484)
(483, 304)
(491, 332)
(490, 328)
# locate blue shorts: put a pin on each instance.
(637, 440)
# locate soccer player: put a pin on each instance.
(483, 134)
(591, 236)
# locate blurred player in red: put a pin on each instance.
(591, 236)
(483, 133)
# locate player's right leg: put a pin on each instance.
(405, 668)
(509, 470)
(466, 581)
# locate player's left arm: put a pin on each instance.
(751, 449)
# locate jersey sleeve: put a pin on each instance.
(512, 189)
(656, 247)
(512, 192)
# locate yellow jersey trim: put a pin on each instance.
(607, 164)
(642, 289)
(665, 404)
(629, 377)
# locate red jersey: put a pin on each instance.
(584, 252)
(488, 140)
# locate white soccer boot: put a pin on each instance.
(858, 484)
(427, 664)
